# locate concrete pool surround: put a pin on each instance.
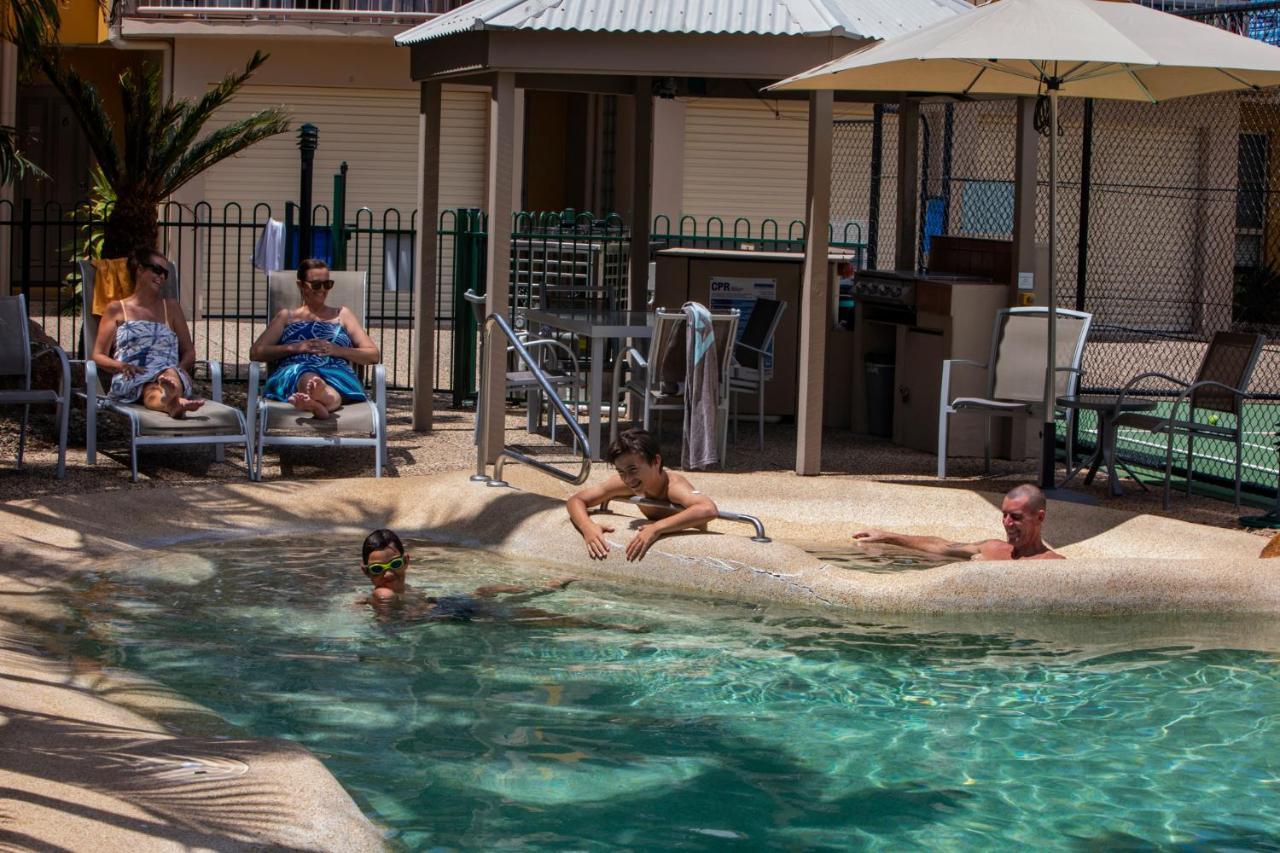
(155, 762)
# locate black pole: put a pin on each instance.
(308, 141)
(948, 134)
(873, 206)
(923, 204)
(1086, 179)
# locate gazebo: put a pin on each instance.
(643, 50)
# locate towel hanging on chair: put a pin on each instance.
(698, 446)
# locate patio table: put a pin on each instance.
(597, 326)
(1109, 407)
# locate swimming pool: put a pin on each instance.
(726, 724)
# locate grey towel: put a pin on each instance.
(698, 446)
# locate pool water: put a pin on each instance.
(726, 725)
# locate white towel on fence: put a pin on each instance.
(268, 252)
(698, 446)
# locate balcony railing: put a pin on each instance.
(388, 11)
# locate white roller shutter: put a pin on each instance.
(376, 132)
(747, 158)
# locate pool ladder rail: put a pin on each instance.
(497, 321)
(724, 515)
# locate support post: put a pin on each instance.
(1025, 165)
(502, 136)
(424, 297)
(814, 301)
(641, 196)
(908, 213)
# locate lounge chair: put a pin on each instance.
(748, 374)
(15, 360)
(213, 423)
(279, 424)
(1218, 389)
(1016, 371)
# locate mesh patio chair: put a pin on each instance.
(213, 423)
(748, 373)
(15, 360)
(1219, 389)
(1016, 371)
(279, 424)
(523, 380)
(659, 380)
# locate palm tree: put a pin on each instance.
(25, 23)
(160, 149)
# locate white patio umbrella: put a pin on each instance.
(1111, 49)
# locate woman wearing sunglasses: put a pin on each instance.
(144, 341)
(313, 346)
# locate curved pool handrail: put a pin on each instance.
(720, 513)
(508, 452)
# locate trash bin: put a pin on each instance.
(880, 395)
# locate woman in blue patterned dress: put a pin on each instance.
(144, 341)
(313, 347)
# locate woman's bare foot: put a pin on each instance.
(303, 402)
(175, 404)
(182, 405)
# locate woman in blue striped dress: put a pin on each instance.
(312, 348)
(144, 344)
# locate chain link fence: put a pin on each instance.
(1168, 232)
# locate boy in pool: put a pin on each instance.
(638, 460)
(385, 563)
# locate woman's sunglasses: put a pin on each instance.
(395, 564)
(158, 269)
(327, 284)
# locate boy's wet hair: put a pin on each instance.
(634, 441)
(379, 539)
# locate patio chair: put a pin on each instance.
(213, 423)
(1016, 371)
(1219, 388)
(523, 381)
(659, 380)
(15, 360)
(748, 374)
(277, 423)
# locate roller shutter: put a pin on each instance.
(376, 132)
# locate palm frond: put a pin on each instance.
(140, 98)
(14, 165)
(194, 114)
(225, 142)
(90, 112)
(30, 24)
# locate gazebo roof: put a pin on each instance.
(852, 19)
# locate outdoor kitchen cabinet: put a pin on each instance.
(690, 274)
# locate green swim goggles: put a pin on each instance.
(395, 564)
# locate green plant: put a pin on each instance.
(90, 217)
(31, 25)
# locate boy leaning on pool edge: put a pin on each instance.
(637, 458)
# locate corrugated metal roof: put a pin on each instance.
(855, 19)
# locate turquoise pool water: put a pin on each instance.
(725, 726)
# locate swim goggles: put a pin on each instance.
(395, 564)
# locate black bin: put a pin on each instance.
(880, 396)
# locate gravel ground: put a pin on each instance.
(449, 448)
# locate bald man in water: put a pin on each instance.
(1023, 509)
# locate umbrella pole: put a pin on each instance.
(1049, 438)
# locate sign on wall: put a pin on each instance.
(742, 293)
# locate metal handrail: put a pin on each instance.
(509, 452)
(721, 514)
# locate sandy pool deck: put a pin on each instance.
(94, 753)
